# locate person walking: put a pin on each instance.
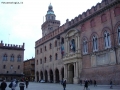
(14, 84)
(111, 84)
(86, 85)
(26, 83)
(3, 85)
(22, 85)
(64, 84)
(95, 83)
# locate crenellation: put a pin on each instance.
(11, 45)
(102, 3)
(83, 15)
(72, 21)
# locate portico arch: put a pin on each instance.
(51, 76)
(71, 73)
(41, 75)
(46, 76)
(57, 75)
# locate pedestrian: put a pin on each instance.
(64, 84)
(95, 83)
(14, 84)
(22, 85)
(3, 85)
(26, 83)
(86, 85)
(111, 84)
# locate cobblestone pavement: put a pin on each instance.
(52, 86)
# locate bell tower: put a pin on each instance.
(51, 23)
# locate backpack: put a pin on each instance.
(10, 85)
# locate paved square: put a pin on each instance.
(52, 86)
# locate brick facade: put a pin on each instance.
(96, 56)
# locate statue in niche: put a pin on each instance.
(72, 45)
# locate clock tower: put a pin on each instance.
(51, 23)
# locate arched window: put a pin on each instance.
(5, 57)
(56, 56)
(45, 59)
(107, 40)
(37, 62)
(95, 43)
(40, 61)
(12, 58)
(55, 43)
(19, 58)
(118, 35)
(18, 66)
(50, 46)
(41, 50)
(62, 40)
(4, 66)
(50, 58)
(11, 67)
(85, 46)
(45, 48)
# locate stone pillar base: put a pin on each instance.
(75, 80)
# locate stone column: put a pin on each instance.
(65, 71)
(48, 77)
(74, 70)
(54, 77)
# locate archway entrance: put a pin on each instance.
(71, 73)
(37, 75)
(41, 75)
(51, 76)
(62, 73)
(57, 75)
(46, 76)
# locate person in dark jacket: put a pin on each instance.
(26, 83)
(86, 84)
(95, 83)
(22, 85)
(3, 85)
(64, 84)
(111, 84)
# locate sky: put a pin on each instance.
(21, 22)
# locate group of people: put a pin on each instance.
(13, 84)
(87, 82)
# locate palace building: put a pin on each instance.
(88, 46)
(11, 61)
(29, 69)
